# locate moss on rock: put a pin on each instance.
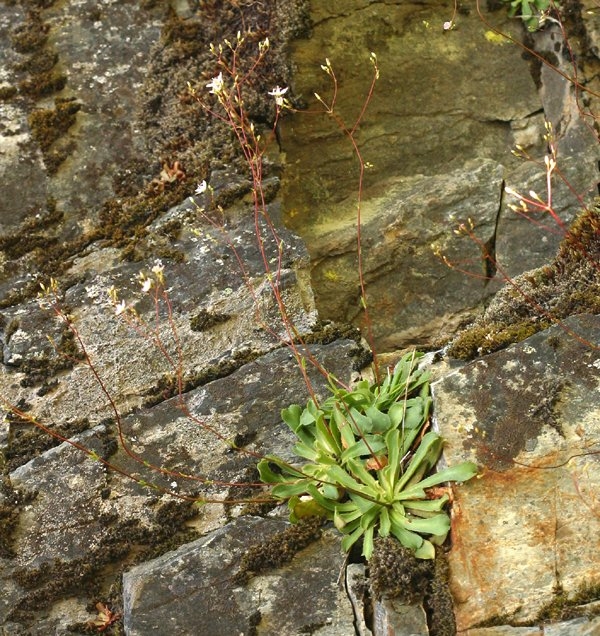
(280, 548)
(535, 300)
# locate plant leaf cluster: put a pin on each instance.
(532, 12)
(368, 456)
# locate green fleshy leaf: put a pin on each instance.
(362, 504)
(408, 437)
(396, 413)
(344, 427)
(338, 437)
(367, 446)
(350, 519)
(415, 415)
(338, 521)
(436, 525)
(350, 539)
(331, 492)
(317, 495)
(461, 472)
(291, 416)
(325, 440)
(371, 486)
(306, 451)
(270, 477)
(426, 551)
(380, 421)
(361, 424)
(369, 517)
(408, 539)
(285, 491)
(422, 507)
(425, 456)
(385, 523)
(392, 441)
(368, 542)
(302, 508)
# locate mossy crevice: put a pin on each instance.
(568, 606)
(176, 129)
(394, 572)
(11, 501)
(121, 544)
(30, 39)
(33, 233)
(279, 549)
(533, 301)
(26, 441)
(205, 320)
(39, 369)
(30, 36)
(168, 386)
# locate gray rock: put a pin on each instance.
(394, 617)
(447, 103)
(575, 627)
(208, 285)
(83, 517)
(439, 147)
(194, 590)
(443, 97)
(356, 587)
(506, 630)
(527, 242)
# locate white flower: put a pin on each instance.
(448, 26)
(147, 284)
(278, 94)
(158, 268)
(201, 189)
(216, 84)
(120, 308)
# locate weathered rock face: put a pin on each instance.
(448, 103)
(105, 517)
(158, 593)
(101, 149)
(415, 295)
(218, 317)
(526, 532)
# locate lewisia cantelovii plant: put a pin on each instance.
(368, 449)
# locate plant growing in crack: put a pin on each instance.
(367, 446)
(367, 450)
(369, 455)
(533, 13)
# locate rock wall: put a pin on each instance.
(437, 137)
(102, 149)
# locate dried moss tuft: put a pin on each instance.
(31, 35)
(279, 549)
(48, 125)
(395, 572)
